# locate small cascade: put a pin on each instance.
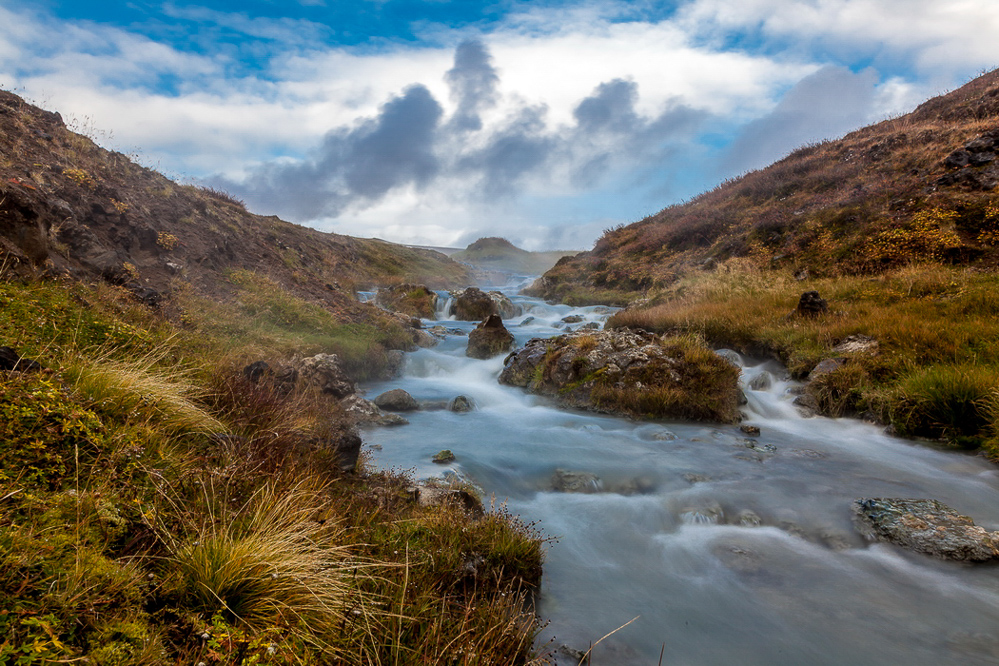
(444, 302)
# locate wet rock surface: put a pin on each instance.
(925, 526)
(397, 400)
(490, 338)
(365, 412)
(473, 304)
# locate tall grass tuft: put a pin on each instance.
(274, 561)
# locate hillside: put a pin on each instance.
(181, 469)
(67, 205)
(892, 231)
(499, 254)
(919, 187)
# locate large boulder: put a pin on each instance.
(473, 304)
(415, 300)
(324, 372)
(397, 400)
(810, 304)
(925, 526)
(633, 373)
(490, 338)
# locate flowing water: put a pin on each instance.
(728, 549)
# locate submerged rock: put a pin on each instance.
(397, 400)
(460, 404)
(490, 338)
(633, 373)
(925, 526)
(566, 481)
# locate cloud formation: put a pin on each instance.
(548, 123)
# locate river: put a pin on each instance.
(670, 535)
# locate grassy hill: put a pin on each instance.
(896, 225)
(499, 254)
(158, 503)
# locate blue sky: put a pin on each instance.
(438, 121)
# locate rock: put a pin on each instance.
(857, 344)
(348, 450)
(397, 400)
(565, 481)
(747, 518)
(472, 304)
(572, 319)
(324, 372)
(761, 448)
(460, 404)
(691, 477)
(504, 306)
(590, 326)
(442, 331)
(394, 360)
(732, 357)
(490, 338)
(826, 366)
(432, 495)
(751, 430)
(256, 371)
(415, 300)
(664, 435)
(626, 372)
(762, 382)
(443, 457)
(958, 159)
(365, 412)
(11, 360)
(811, 305)
(425, 339)
(707, 512)
(925, 526)
(527, 321)
(807, 404)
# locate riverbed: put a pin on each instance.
(727, 549)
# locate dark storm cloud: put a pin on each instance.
(410, 143)
(473, 82)
(396, 148)
(827, 103)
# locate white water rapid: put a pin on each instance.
(727, 554)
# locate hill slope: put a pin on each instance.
(68, 205)
(919, 187)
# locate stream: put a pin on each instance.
(728, 549)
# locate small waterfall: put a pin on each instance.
(444, 302)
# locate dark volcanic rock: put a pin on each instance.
(925, 526)
(397, 400)
(811, 305)
(490, 338)
(11, 360)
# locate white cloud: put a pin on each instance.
(202, 113)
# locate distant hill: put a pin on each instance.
(499, 254)
(919, 187)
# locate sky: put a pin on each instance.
(437, 122)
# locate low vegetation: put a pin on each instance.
(158, 507)
(934, 372)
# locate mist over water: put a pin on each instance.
(730, 550)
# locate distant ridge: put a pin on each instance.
(499, 254)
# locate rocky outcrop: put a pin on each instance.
(415, 300)
(460, 404)
(489, 339)
(397, 400)
(626, 372)
(432, 495)
(324, 372)
(925, 526)
(473, 304)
